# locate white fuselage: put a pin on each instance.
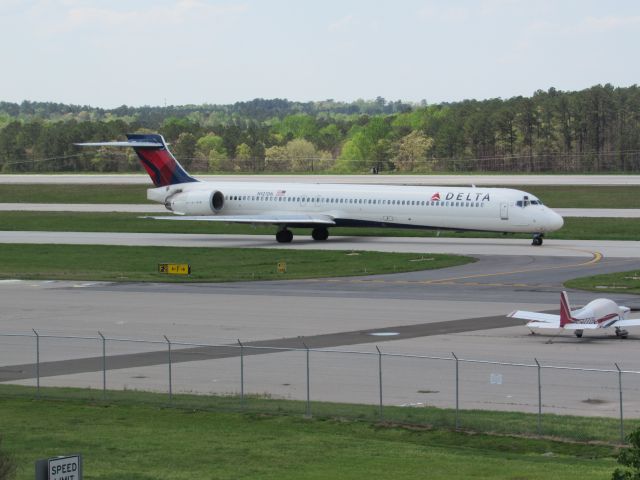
(601, 311)
(434, 207)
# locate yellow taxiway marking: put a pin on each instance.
(595, 258)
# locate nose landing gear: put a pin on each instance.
(537, 239)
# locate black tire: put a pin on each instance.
(579, 333)
(284, 236)
(320, 233)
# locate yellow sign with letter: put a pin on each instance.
(174, 268)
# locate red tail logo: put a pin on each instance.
(157, 160)
(565, 310)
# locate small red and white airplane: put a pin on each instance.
(599, 313)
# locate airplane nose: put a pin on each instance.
(555, 222)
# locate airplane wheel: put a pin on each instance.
(621, 333)
(284, 236)
(537, 241)
(579, 333)
(320, 233)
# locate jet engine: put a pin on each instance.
(199, 202)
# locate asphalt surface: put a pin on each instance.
(464, 246)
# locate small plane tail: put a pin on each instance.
(565, 310)
(155, 156)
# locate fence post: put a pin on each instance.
(380, 380)
(457, 393)
(170, 380)
(621, 414)
(104, 366)
(241, 373)
(539, 398)
(308, 410)
(37, 363)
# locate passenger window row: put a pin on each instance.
(359, 201)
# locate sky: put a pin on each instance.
(175, 52)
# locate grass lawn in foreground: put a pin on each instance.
(139, 442)
(116, 263)
(574, 228)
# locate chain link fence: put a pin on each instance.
(600, 403)
(619, 161)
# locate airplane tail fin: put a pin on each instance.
(565, 310)
(155, 156)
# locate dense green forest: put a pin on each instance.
(593, 130)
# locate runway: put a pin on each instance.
(463, 246)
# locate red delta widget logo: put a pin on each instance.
(465, 197)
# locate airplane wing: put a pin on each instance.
(569, 326)
(581, 326)
(536, 317)
(275, 219)
(630, 322)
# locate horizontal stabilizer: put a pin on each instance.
(535, 316)
(155, 156)
(274, 219)
(132, 144)
(543, 324)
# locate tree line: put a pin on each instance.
(592, 130)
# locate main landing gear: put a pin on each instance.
(320, 233)
(537, 239)
(622, 333)
(579, 333)
(284, 236)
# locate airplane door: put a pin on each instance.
(504, 211)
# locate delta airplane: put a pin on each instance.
(321, 206)
(599, 313)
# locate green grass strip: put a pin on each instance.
(73, 193)
(116, 263)
(574, 228)
(620, 282)
(553, 196)
(135, 436)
